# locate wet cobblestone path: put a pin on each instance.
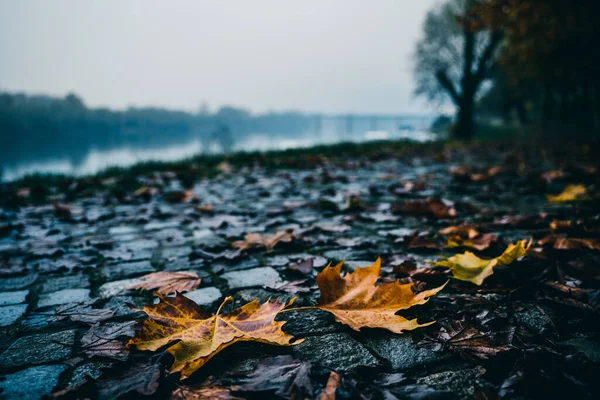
(68, 265)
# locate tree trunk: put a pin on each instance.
(465, 127)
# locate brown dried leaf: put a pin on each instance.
(333, 383)
(282, 375)
(429, 207)
(207, 390)
(194, 336)
(356, 301)
(169, 282)
(257, 240)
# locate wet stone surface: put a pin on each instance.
(402, 353)
(31, 383)
(10, 314)
(265, 276)
(63, 297)
(38, 349)
(338, 351)
(18, 297)
(530, 324)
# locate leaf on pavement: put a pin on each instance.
(468, 340)
(257, 240)
(81, 313)
(333, 383)
(356, 301)
(140, 378)
(571, 193)
(468, 267)
(106, 340)
(207, 390)
(430, 207)
(561, 243)
(194, 336)
(464, 231)
(169, 282)
(282, 375)
(479, 243)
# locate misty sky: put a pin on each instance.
(309, 55)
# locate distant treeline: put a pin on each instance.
(42, 125)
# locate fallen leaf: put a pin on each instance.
(468, 267)
(257, 240)
(140, 378)
(420, 241)
(479, 243)
(194, 336)
(145, 191)
(464, 231)
(105, 340)
(81, 313)
(225, 168)
(205, 208)
(410, 268)
(282, 375)
(169, 282)
(571, 193)
(305, 267)
(296, 286)
(207, 390)
(333, 383)
(62, 210)
(356, 301)
(466, 339)
(561, 243)
(179, 196)
(429, 207)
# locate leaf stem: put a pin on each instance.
(227, 299)
(298, 308)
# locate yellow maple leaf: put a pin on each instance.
(195, 336)
(571, 193)
(355, 300)
(468, 267)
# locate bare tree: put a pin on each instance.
(453, 59)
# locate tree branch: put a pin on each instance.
(445, 82)
(482, 65)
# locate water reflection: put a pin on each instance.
(97, 160)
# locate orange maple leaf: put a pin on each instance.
(195, 336)
(356, 301)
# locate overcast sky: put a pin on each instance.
(333, 56)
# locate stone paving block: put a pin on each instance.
(9, 314)
(79, 281)
(63, 297)
(122, 230)
(31, 383)
(265, 276)
(38, 349)
(401, 352)
(205, 296)
(119, 304)
(337, 351)
(115, 288)
(206, 238)
(309, 322)
(91, 369)
(17, 282)
(126, 270)
(18, 297)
